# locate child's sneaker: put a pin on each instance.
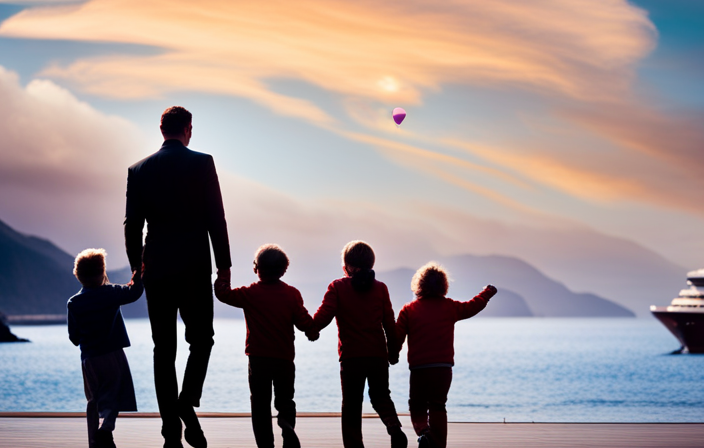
(425, 441)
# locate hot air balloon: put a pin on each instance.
(398, 114)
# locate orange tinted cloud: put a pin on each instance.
(674, 138)
(581, 51)
(390, 51)
(621, 175)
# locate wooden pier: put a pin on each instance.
(67, 430)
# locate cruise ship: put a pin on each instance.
(684, 317)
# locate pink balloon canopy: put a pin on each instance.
(398, 114)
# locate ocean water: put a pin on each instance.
(521, 370)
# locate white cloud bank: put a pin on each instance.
(62, 163)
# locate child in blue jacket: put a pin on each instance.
(95, 324)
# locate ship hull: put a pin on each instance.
(688, 328)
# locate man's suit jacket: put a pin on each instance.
(176, 191)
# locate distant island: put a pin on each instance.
(36, 279)
(5, 334)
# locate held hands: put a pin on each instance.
(224, 275)
(393, 359)
(223, 279)
(135, 275)
(313, 334)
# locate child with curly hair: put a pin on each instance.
(429, 323)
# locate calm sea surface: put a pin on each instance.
(543, 370)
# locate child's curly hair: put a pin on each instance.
(271, 261)
(89, 268)
(431, 280)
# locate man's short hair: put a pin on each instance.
(175, 120)
(358, 254)
(271, 261)
(89, 267)
(430, 281)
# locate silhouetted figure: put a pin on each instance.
(429, 323)
(177, 193)
(95, 324)
(367, 343)
(271, 309)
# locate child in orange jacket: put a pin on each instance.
(429, 323)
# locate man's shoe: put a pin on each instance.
(398, 438)
(103, 439)
(195, 437)
(193, 432)
(187, 414)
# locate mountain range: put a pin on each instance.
(36, 278)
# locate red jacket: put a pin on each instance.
(429, 323)
(271, 310)
(365, 321)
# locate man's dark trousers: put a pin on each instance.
(263, 372)
(176, 192)
(193, 299)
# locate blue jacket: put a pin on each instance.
(95, 321)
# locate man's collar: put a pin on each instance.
(172, 143)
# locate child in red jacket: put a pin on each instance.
(429, 323)
(271, 310)
(367, 343)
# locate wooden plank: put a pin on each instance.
(321, 431)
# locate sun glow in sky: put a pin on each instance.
(558, 131)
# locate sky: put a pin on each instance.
(568, 133)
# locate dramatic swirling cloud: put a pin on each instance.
(391, 51)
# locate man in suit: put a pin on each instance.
(176, 191)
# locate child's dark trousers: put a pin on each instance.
(107, 382)
(428, 395)
(354, 372)
(263, 372)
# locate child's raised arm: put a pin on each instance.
(465, 310)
